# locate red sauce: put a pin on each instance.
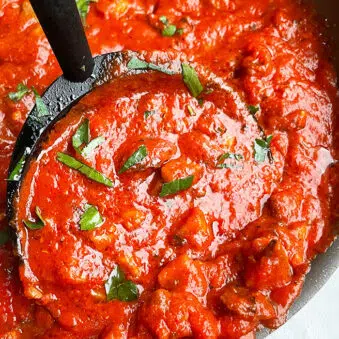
(218, 259)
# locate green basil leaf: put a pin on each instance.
(160, 69)
(191, 80)
(116, 278)
(149, 113)
(16, 173)
(83, 8)
(127, 291)
(117, 287)
(21, 91)
(40, 105)
(89, 172)
(87, 150)
(191, 111)
(253, 109)
(268, 140)
(169, 30)
(262, 149)
(4, 237)
(81, 136)
(136, 63)
(90, 219)
(176, 186)
(35, 225)
(135, 158)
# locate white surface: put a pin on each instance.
(319, 319)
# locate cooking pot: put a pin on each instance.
(326, 263)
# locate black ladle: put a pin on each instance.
(62, 25)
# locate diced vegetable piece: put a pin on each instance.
(272, 270)
(133, 219)
(247, 304)
(165, 313)
(184, 274)
(181, 168)
(196, 231)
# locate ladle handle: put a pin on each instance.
(62, 25)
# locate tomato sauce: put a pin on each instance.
(224, 255)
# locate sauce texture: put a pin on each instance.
(203, 213)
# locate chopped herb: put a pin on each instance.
(224, 165)
(116, 278)
(91, 218)
(221, 130)
(89, 172)
(81, 136)
(117, 287)
(21, 91)
(40, 105)
(169, 30)
(127, 291)
(180, 31)
(262, 149)
(83, 8)
(135, 158)
(4, 237)
(16, 173)
(209, 90)
(35, 225)
(191, 111)
(253, 109)
(163, 19)
(178, 241)
(136, 63)
(149, 113)
(160, 69)
(191, 80)
(87, 150)
(176, 186)
(200, 101)
(230, 156)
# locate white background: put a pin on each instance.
(319, 319)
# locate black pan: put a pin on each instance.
(327, 263)
(322, 267)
